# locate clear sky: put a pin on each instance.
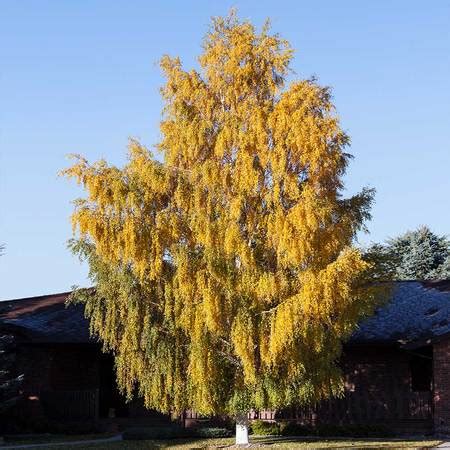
(82, 77)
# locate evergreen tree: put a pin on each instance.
(415, 255)
(226, 275)
(9, 382)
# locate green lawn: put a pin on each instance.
(261, 442)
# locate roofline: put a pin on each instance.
(37, 297)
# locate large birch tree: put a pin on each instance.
(225, 270)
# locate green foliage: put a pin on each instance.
(415, 255)
(264, 428)
(295, 429)
(212, 432)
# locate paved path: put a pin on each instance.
(56, 444)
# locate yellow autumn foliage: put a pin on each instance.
(226, 276)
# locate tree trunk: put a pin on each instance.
(242, 429)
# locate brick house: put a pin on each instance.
(396, 366)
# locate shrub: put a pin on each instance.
(212, 432)
(263, 428)
(295, 429)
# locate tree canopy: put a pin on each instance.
(226, 276)
(414, 255)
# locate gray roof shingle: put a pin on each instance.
(416, 311)
(46, 319)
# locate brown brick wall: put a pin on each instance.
(441, 367)
(58, 368)
(378, 386)
(35, 363)
(378, 392)
(49, 371)
(74, 368)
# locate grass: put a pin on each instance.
(257, 442)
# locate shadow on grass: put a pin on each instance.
(333, 442)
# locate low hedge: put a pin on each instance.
(264, 428)
(212, 432)
(295, 429)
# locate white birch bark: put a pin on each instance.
(242, 429)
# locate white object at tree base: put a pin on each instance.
(242, 429)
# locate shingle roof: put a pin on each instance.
(417, 311)
(46, 319)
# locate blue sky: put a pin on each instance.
(82, 77)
